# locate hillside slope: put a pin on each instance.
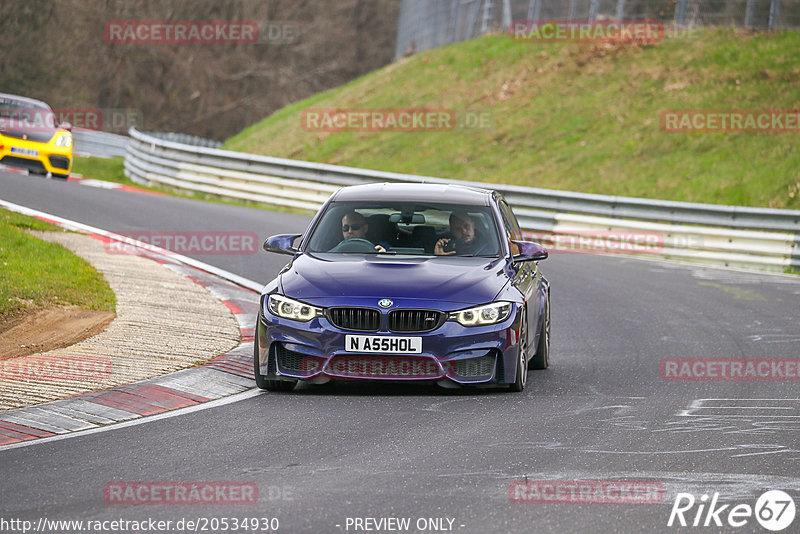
(582, 117)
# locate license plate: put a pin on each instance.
(24, 151)
(383, 344)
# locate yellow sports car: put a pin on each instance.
(29, 137)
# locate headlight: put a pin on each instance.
(292, 309)
(482, 315)
(64, 140)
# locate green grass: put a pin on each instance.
(579, 117)
(109, 169)
(39, 274)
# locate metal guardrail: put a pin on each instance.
(187, 139)
(106, 145)
(99, 144)
(722, 235)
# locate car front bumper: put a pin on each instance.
(451, 354)
(38, 157)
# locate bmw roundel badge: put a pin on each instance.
(385, 303)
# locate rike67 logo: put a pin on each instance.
(774, 510)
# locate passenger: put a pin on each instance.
(463, 241)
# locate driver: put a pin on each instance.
(463, 242)
(354, 226)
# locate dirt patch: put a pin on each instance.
(48, 329)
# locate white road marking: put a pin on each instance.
(743, 408)
(140, 421)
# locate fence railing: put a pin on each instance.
(99, 144)
(423, 24)
(721, 235)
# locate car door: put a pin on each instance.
(526, 278)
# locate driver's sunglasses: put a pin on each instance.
(354, 227)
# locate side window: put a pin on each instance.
(511, 226)
(512, 221)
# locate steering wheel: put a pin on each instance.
(354, 245)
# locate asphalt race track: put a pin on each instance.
(324, 454)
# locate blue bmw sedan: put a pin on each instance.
(405, 282)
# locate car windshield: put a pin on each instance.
(19, 112)
(403, 229)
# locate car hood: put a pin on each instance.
(463, 280)
(38, 134)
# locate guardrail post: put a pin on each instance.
(795, 261)
(534, 8)
(774, 14)
(571, 10)
(620, 9)
(594, 8)
(506, 17)
(487, 15)
(748, 14)
(680, 13)
(472, 16)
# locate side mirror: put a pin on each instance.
(281, 243)
(66, 126)
(529, 251)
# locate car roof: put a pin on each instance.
(413, 192)
(25, 100)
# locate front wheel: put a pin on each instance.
(522, 356)
(264, 383)
(541, 360)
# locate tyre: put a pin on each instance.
(263, 383)
(541, 360)
(522, 356)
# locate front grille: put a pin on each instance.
(32, 164)
(59, 162)
(415, 320)
(359, 319)
(287, 359)
(295, 363)
(475, 367)
(391, 367)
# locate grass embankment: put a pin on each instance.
(109, 169)
(580, 117)
(39, 274)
